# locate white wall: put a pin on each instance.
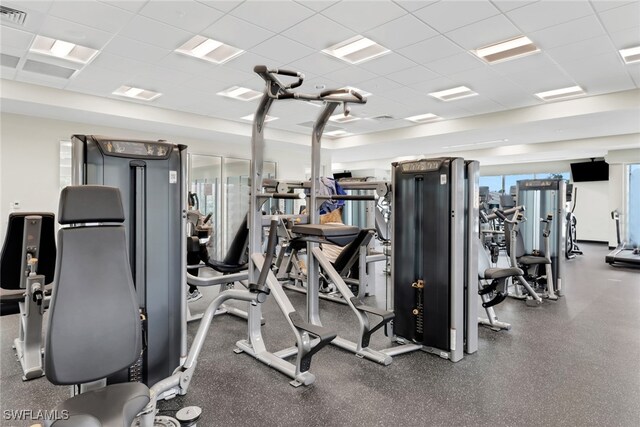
(592, 210)
(29, 163)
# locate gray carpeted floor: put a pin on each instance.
(571, 362)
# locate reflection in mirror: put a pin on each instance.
(205, 177)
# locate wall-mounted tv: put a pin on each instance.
(345, 174)
(590, 171)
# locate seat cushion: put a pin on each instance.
(532, 260)
(112, 406)
(499, 273)
(338, 234)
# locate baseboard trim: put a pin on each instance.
(603, 242)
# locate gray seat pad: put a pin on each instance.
(499, 273)
(326, 230)
(532, 260)
(112, 406)
(340, 235)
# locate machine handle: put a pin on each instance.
(341, 91)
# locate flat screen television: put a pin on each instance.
(590, 171)
(339, 175)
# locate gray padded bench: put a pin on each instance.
(340, 235)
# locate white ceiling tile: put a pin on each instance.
(307, 32)
(429, 50)
(206, 85)
(389, 63)
(229, 75)
(602, 5)
(484, 73)
(413, 5)
(190, 16)
(246, 62)
(351, 75)
(407, 96)
(445, 16)
(433, 85)
(36, 14)
(223, 5)
(626, 38)
(455, 64)
(317, 5)
(412, 75)
(275, 16)
(401, 32)
(130, 5)
(482, 33)
(540, 79)
(155, 33)
(545, 14)
(317, 63)
(281, 50)
(536, 60)
(162, 75)
(98, 80)
(569, 32)
(73, 32)
(136, 50)
(581, 49)
(380, 85)
(122, 64)
(361, 16)
(622, 18)
(11, 37)
(237, 32)
(481, 105)
(99, 15)
(597, 71)
(507, 5)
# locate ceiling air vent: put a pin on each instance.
(12, 15)
(48, 69)
(9, 61)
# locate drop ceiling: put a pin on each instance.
(430, 43)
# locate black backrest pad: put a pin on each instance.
(90, 203)
(352, 250)
(94, 323)
(11, 258)
(238, 246)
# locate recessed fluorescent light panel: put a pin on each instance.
(424, 118)
(266, 120)
(508, 49)
(341, 118)
(241, 93)
(356, 50)
(209, 50)
(62, 49)
(567, 92)
(453, 93)
(337, 133)
(136, 93)
(630, 55)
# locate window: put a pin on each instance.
(633, 204)
(65, 164)
(493, 182)
(512, 181)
